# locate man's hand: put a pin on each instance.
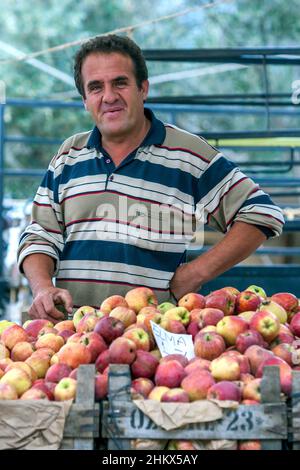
(43, 305)
(184, 281)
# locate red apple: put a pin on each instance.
(8, 392)
(191, 301)
(65, 334)
(247, 339)
(139, 337)
(125, 315)
(258, 291)
(122, 351)
(94, 343)
(209, 345)
(177, 357)
(102, 361)
(33, 327)
(21, 351)
(65, 325)
(45, 330)
(175, 395)
(87, 323)
(140, 297)
(142, 386)
(230, 327)
(285, 351)
(12, 335)
(109, 328)
(224, 390)
(72, 354)
(211, 316)
(34, 394)
(144, 365)
(169, 374)
(295, 325)
(221, 300)
(231, 290)
(242, 360)
(197, 384)
(174, 326)
(112, 302)
(196, 314)
(44, 386)
(81, 312)
(288, 301)
(56, 372)
(247, 300)
(266, 323)
(257, 355)
(197, 364)
(285, 373)
(65, 389)
(249, 445)
(193, 328)
(251, 390)
(101, 386)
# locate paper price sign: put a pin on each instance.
(171, 343)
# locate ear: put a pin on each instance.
(145, 89)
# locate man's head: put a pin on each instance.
(107, 45)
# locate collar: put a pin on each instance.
(156, 134)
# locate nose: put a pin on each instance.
(109, 95)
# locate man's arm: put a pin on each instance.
(241, 240)
(39, 270)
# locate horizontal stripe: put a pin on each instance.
(131, 285)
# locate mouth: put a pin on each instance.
(112, 112)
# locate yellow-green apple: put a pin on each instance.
(4, 351)
(94, 343)
(193, 328)
(50, 340)
(175, 395)
(266, 323)
(173, 326)
(5, 324)
(209, 329)
(56, 372)
(181, 445)
(4, 362)
(285, 372)
(87, 323)
(256, 355)
(156, 353)
(124, 314)
(275, 308)
(225, 368)
(45, 330)
(247, 300)
(40, 364)
(144, 364)
(8, 392)
(285, 351)
(211, 316)
(197, 384)
(102, 361)
(242, 360)
(191, 301)
(21, 351)
(65, 389)
(295, 325)
(72, 354)
(165, 306)
(33, 327)
(249, 445)
(157, 392)
(65, 325)
(101, 386)
(247, 339)
(112, 302)
(175, 357)
(122, 351)
(247, 315)
(144, 312)
(139, 337)
(224, 390)
(258, 291)
(140, 297)
(177, 313)
(18, 378)
(12, 335)
(169, 374)
(252, 391)
(22, 365)
(209, 345)
(230, 327)
(141, 386)
(99, 314)
(197, 364)
(80, 312)
(221, 300)
(34, 394)
(288, 301)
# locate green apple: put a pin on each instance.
(257, 290)
(165, 306)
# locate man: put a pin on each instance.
(97, 219)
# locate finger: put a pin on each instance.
(65, 297)
(36, 311)
(50, 309)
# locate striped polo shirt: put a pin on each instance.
(110, 228)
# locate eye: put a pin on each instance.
(121, 83)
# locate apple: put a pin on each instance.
(81, 312)
(251, 390)
(21, 351)
(178, 313)
(208, 329)
(175, 395)
(94, 343)
(124, 314)
(285, 373)
(140, 297)
(50, 340)
(224, 390)
(56, 372)
(8, 392)
(275, 308)
(65, 389)
(144, 365)
(157, 392)
(258, 291)
(139, 337)
(247, 339)
(65, 334)
(5, 324)
(231, 290)
(65, 325)
(225, 368)
(43, 352)
(249, 445)
(230, 327)
(102, 361)
(242, 360)
(44, 386)
(196, 315)
(247, 315)
(181, 445)
(173, 326)
(12, 335)
(221, 300)
(197, 384)
(197, 364)
(75, 338)
(247, 300)
(141, 386)
(101, 386)
(285, 351)
(24, 366)
(154, 317)
(246, 378)
(295, 325)
(175, 357)
(87, 323)
(33, 327)
(4, 362)
(165, 306)
(169, 374)
(17, 378)
(288, 301)
(257, 355)
(266, 323)
(122, 351)
(193, 328)
(209, 345)
(4, 351)
(45, 330)
(72, 354)
(34, 394)
(39, 364)
(112, 302)
(191, 301)
(211, 316)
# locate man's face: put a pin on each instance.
(112, 96)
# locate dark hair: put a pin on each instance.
(107, 45)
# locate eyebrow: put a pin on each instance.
(99, 82)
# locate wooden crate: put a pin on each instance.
(294, 413)
(82, 423)
(122, 421)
